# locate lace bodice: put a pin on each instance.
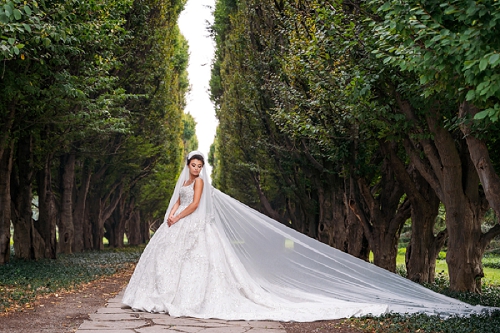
(186, 194)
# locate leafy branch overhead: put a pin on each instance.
(453, 47)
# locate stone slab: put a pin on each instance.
(107, 331)
(118, 318)
(114, 316)
(112, 325)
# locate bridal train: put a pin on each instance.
(228, 261)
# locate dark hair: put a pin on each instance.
(196, 157)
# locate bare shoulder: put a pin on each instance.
(198, 182)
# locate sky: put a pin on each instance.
(193, 23)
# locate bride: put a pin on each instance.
(214, 257)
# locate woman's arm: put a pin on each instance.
(198, 190)
(174, 208)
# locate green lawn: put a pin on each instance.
(491, 275)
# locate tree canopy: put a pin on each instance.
(93, 129)
(346, 119)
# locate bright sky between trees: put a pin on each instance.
(194, 22)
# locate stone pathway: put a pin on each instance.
(114, 319)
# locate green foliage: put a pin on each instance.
(104, 80)
(189, 134)
(491, 261)
(310, 96)
(395, 323)
(22, 281)
(452, 46)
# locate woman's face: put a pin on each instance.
(195, 167)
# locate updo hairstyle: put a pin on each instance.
(196, 157)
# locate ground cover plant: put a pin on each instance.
(481, 323)
(22, 281)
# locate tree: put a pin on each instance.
(91, 106)
(451, 47)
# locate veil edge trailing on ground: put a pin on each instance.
(294, 266)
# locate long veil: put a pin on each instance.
(294, 266)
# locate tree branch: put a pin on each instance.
(314, 162)
(480, 157)
(427, 146)
(424, 170)
(401, 173)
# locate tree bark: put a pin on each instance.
(66, 226)
(115, 226)
(46, 224)
(22, 195)
(268, 210)
(101, 210)
(7, 123)
(479, 154)
(97, 225)
(448, 168)
(145, 227)
(424, 246)
(80, 220)
(382, 217)
(134, 230)
(5, 203)
(338, 227)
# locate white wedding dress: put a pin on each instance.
(238, 264)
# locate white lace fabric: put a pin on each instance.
(233, 263)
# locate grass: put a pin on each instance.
(491, 265)
(22, 281)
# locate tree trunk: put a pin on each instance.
(115, 226)
(382, 217)
(448, 168)
(96, 222)
(266, 205)
(22, 195)
(88, 239)
(46, 224)
(145, 227)
(80, 222)
(338, 227)
(5, 203)
(357, 243)
(480, 157)
(66, 227)
(490, 181)
(465, 209)
(7, 123)
(101, 210)
(424, 247)
(464, 255)
(134, 230)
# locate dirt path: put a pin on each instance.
(64, 312)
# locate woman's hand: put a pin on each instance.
(172, 219)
